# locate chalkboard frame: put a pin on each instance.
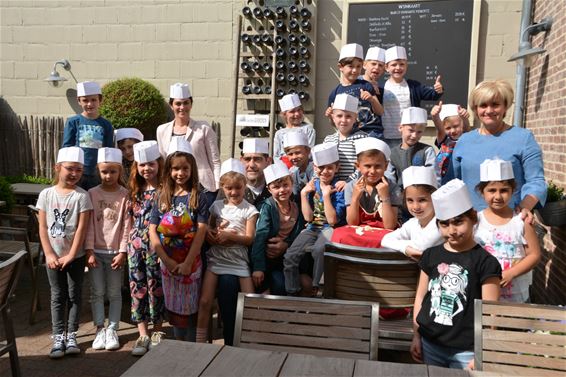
(474, 42)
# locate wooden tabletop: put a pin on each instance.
(28, 188)
(175, 358)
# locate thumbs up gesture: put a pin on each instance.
(438, 85)
(435, 111)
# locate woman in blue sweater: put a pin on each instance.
(490, 100)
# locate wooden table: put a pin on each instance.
(174, 358)
(28, 192)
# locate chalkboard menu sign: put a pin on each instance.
(436, 34)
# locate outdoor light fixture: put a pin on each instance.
(527, 54)
(54, 78)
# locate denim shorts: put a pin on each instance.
(447, 357)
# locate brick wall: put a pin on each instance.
(545, 115)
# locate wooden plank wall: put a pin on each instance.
(29, 145)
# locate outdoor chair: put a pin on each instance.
(15, 234)
(377, 275)
(9, 273)
(332, 328)
(520, 339)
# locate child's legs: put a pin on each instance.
(59, 295)
(75, 275)
(293, 257)
(277, 286)
(156, 300)
(138, 287)
(434, 354)
(461, 359)
(247, 285)
(113, 292)
(318, 254)
(228, 288)
(206, 298)
(187, 333)
(97, 290)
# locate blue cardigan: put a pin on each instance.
(516, 145)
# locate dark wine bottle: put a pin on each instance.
(267, 39)
(280, 53)
(267, 67)
(305, 13)
(280, 65)
(257, 66)
(247, 12)
(292, 91)
(257, 90)
(293, 52)
(246, 38)
(258, 12)
(245, 131)
(279, 93)
(292, 79)
(303, 80)
(303, 96)
(256, 39)
(306, 25)
(280, 26)
(267, 89)
(304, 39)
(280, 78)
(294, 11)
(294, 25)
(247, 89)
(281, 13)
(305, 53)
(280, 41)
(268, 13)
(292, 66)
(292, 38)
(245, 66)
(304, 66)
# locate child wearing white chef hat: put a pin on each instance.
(504, 233)
(453, 275)
(323, 209)
(374, 66)
(125, 140)
(88, 130)
(450, 121)
(298, 152)
(105, 246)
(64, 212)
(293, 116)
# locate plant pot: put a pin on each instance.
(553, 213)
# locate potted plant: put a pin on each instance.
(554, 211)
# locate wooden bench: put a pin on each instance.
(520, 339)
(333, 328)
(377, 275)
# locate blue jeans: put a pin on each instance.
(446, 357)
(105, 280)
(228, 288)
(66, 295)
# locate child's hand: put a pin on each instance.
(183, 268)
(257, 277)
(358, 188)
(413, 253)
(438, 88)
(471, 365)
(526, 215)
(65, 261)
(91, 259)
(463, 112)
(309, 187)
(506, 277)
(328, 111)
(52, 261)
(275, 247)
(339, 186)
(328, 190)
(211, 236)
(223, 236)
(435, 111)
(365, 95)
(118, 261)
(416, 348)
(170, 264)
(383, 188)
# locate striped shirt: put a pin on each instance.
(346, 153)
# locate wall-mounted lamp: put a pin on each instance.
(527, 54)
(54, 78)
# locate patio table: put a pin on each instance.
(27, 193)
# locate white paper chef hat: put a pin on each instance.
(146, 151)
(346, 102)
(351, 50)
(451, 200)
(179, 90)
(448, 110)
(496, 170)
(371, 143)
(234, 165)
(275, 171)
(376, 53)
(71, 154)
(295, 138)
(324, 154)
(419, 175)
(109, 155)
(179, 144)
(289, 101)
(394, 53)
(128, 133)
(88, 88)
(256, 145)
(413, 115)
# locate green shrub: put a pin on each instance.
(554, 192)
(24, 178)
(133, 102)
(6, 195)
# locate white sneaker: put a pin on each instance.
(112, 342)
(141, 346)
(100, 339)
(156, 338)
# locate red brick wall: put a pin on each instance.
(545, 115)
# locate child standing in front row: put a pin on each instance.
(504, 233)
(231, 233)
(64, 211)
(323, 208)
(105, 246)
(178, 224)
(420, 232)
(453, 275)
(146, 289)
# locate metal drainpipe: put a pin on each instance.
(526, 15)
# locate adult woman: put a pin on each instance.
(494, 138)
(198, 133)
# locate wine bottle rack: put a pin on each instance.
(277, 40)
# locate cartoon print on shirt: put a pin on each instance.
(452, 282)
(57, 229)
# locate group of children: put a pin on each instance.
(271, 221)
